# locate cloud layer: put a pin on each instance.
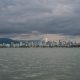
(46, 16)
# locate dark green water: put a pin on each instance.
(40, 64)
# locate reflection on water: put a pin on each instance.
(40, 64)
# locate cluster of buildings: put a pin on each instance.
(39, 43)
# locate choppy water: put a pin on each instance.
(40, 64)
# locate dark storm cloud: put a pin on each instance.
(46, 16)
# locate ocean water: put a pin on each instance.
(39, 63)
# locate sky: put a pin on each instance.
(18, 17)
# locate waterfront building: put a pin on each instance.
(21, 44)
(7, 45)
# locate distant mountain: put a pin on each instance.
(7, 41)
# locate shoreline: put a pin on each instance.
(39, 47)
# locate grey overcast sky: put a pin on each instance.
(45, 16)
